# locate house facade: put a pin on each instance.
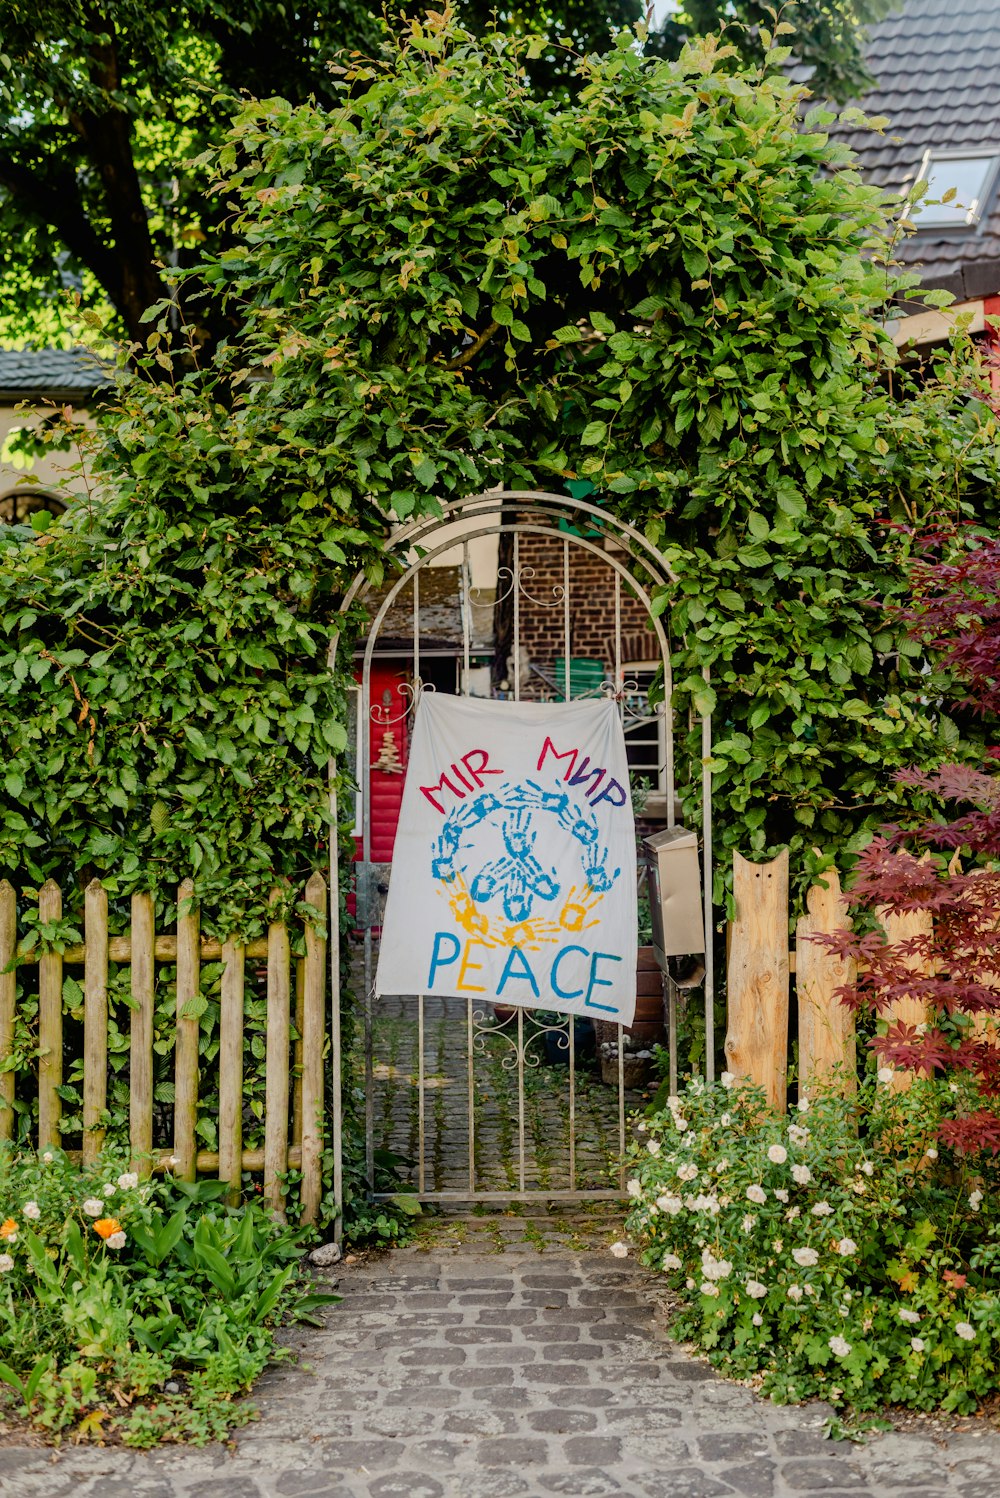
(938, 94)
(34, 384)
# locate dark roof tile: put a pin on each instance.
(49, 371)
(938, 84)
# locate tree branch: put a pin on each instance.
(468, 354)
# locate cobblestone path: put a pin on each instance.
(506, 1097)
(502, 1359)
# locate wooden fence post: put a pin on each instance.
(95, 1017)
(50, 1067)
(826, 1025)
(8, 1003)
(188, 1027)
(276, 1062)
(231, 1070)
(313, 999)
(757, 1030)
(140, 1070)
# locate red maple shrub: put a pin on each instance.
(947, 869)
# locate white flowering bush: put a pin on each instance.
(839, 1252)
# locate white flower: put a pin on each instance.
(618, 1250)
(756, 1194)
(641, 1127)
(688, 1172)
(671, 1261)
(839, 1347)
(792, 1213)
(689, 1284)
(795, 1292)
(781, 1194)
(128, 1182)
(757, 1319)
(931, 1153)
(727, 1079)
(108, 1190)
(48, 1157)
(906, 1315)
(777, 1154)
(801, 1175)
(975, 1200)
(707, 1288)
(117, 1240)
(867, 1168)
(93, 1207)
(703, 1203)
(634, 1187)
(713, 1268)
(846, 1247)
(778, 1245)
(32, 1211)
(917, 1343)
(803, 1105)
(721, 1166)
(965, 1330)
(805, 1257)
(725, 1120)
(6, 1263)
(749, 1222)
(670, 1204)
(798, 1133)
(822, 1209)
(886, 1074)
(859, 1188)
(680, 1123)
(756, 1290)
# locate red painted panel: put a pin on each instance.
(386, 786)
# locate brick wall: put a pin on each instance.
(592, 611)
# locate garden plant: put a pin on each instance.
(842, 1252)
(134, 1309)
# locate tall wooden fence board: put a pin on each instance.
(826, 1025)
(757, 1031)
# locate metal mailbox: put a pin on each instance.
(675, 902)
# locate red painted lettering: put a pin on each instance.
(550, 748)
(444, 783)
(477, 771)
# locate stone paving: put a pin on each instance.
(500, 1359)
(516, 1090)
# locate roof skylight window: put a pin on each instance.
(969, 175)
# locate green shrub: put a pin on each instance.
(840, 1253)
(136, 1307)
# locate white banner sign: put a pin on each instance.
(514, 870)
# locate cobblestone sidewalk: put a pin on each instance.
(499, 1361)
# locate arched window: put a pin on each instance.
(18, 505)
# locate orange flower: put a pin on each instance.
(105, 1226)
(8, 1229)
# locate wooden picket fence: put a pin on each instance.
(760, 967)
(293, 1099)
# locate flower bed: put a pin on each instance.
(842, 1252)
(135, 1310)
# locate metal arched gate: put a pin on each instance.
(458, 1094)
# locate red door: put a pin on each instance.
(388, 749)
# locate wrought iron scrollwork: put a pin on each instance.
(381, 713)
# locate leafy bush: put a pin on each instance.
(139, 1308)
(840, 1253)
